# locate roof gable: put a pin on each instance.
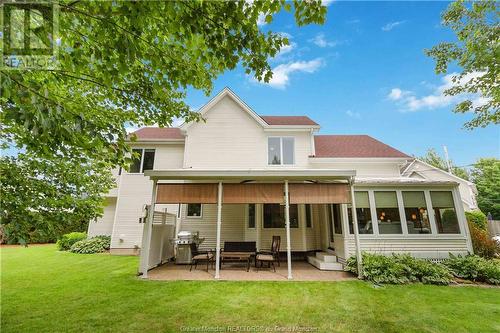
(353, 146)
(265, 121)
(226, 92)
(421, 167)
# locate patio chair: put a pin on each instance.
(270, 256)
(197, 256)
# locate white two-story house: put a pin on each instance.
(235, 175)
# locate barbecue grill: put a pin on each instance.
(183, 245)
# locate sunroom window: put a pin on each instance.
(389, 221)
(280, 151)
(417, 216)
(444, 211)
(144, 161)
(363, 213)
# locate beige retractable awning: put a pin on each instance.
(319, 193)
(186, 193)
(252, 193)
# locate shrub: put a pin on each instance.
(92, 245)
(478, 218)
(400, 269)
(474, 268)
(482, 244)
(67, 240)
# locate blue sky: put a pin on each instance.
(365, 72)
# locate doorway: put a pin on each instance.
(334, 224)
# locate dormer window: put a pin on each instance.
(280, 151)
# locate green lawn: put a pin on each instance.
(43, 290)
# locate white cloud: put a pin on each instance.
(396, 94)
(352, 114)
(281, 73)
(130, 129)
(391, 25)
(327, 3)
(321, 41)
(176, 122)
(409, 101)
(286, 49)
(261, 20)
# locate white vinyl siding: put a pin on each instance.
(104, 224)
(237, 141)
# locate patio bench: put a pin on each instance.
(238, 251)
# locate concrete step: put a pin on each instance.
(326, 257)
(325, 266)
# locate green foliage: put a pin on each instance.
(67, 240)
(474, 268)
(486, 175)
(431, 157)
(476, 51)
(44, 198)
(482, 243)
(123, 62)
(95, 244)
(478, 218)
(400, 269)
(119, 63)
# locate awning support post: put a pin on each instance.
(219, 225)
(359, 257)
(287, 224)
(146, 235)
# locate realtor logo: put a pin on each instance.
(28, 36)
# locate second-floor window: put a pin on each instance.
(280, 151)
(145, 160)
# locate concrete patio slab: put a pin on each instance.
(302, 271)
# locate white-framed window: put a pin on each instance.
(144, 161)
(274, 216)
(444, 212)
(387, 210)
(280, 150)
(194, 210)
(416, 212)
(251, 216)
(363, 213)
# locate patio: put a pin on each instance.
(302, 271)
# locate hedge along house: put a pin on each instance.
(239, 176)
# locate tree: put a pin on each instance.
(45, 198)
(486, 175)
(125, 62)
(476, 51)
(119, 62)
(433, 158)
